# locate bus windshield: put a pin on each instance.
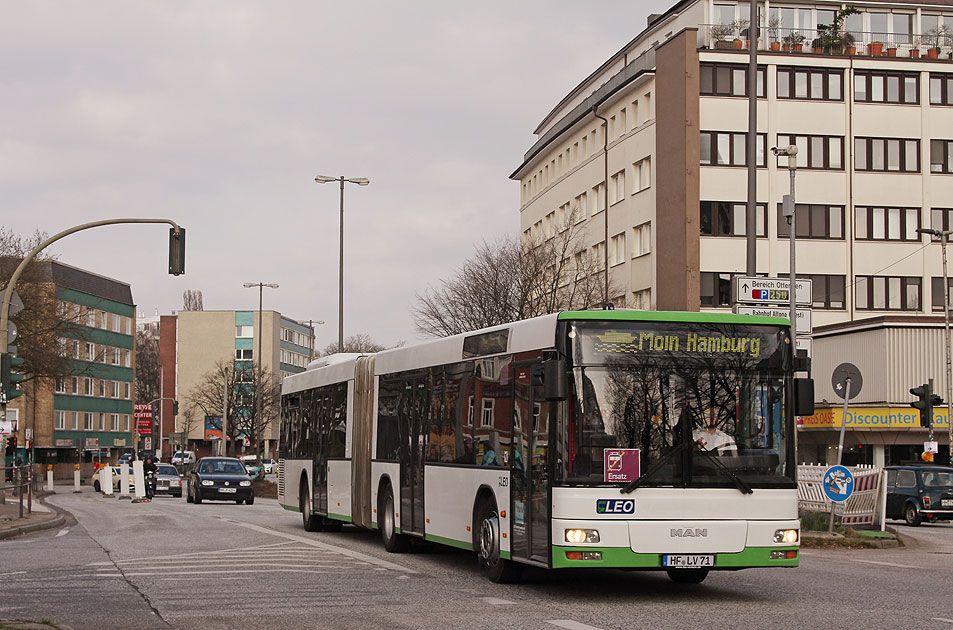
(681, 395)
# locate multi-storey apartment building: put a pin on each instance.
(192, 342)
(660, 127)
(87, 413)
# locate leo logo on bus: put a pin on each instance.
(615, 506)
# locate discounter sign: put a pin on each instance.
(871, 418)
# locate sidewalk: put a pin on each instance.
(12, 525)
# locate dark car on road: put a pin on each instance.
(919, 493)
(219, 479)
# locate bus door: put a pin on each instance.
(319, 418)
(529, 490)
(414, 404)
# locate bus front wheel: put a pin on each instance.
(311, 522)
(496, 568)
(688, 576)
(393, 542)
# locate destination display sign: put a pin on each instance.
(771, 291)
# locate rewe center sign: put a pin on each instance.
(143, 415)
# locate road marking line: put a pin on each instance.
(942, 619)
(496, 601)
(62, 532)
(888, 564)
(143, 573)
(12, 573)
(569, 624)
(320, 545)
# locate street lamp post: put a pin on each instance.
(259, 407)
(360, 181)
(311, 323)
(944, 236)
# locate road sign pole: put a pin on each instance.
(840, 443)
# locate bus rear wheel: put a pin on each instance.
(393, 542)
(311, 522)
(688, 576)
(496, 568)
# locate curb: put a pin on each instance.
(33, 527)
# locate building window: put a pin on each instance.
(87, 421)
(114, 389)
(90, 351)
(102, 388)
(642, 240)
(244, 331)
(486, 417)
(936, 292)
(887, 224)
(114, 422)
(59, 420)
(715, 288)
(728, 79)
(941, 89)
(125, 422)
(642, 300)
(940, 218)
(599, 255)
(617, 253)
(816, 84)
(814, 152)
(887, 293)
(87, 386)
(813, 221)
(75, 387)
(597, 199)
(60, 386)
(91, 317)
(579, 208)
(74, 420)
(728, 218)
(117, 356)
(76, 350)
(726, 148)
(881, 86)
(102, 422)
(828, 290)
(887, 154)
(940, 151)
(617, 191)
(244, 354)
(126, 390)
(641, 175)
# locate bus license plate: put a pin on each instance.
(687, 561)
(228, 490)
(946, 502)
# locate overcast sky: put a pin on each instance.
(219, 114)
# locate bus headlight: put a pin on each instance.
(788, 536)
(582, 535)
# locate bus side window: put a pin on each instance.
(388, 401)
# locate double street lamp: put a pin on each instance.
(360, 181)
(259, 408)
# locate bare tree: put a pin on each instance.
(507, 281)
(147, 365)
(192, 300)
(245, 417)
(361, 343)
(188, 421)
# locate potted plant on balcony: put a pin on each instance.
(875, 49)
(831, 38)
(741, 27)
(935, 36)
(915, 48)
(793, 41)
(774, 29)
(723, 34)
(892, 50)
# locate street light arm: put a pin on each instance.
(8, 292)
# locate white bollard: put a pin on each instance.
(76, 480)
(124, 481)
(106, 481)
(140, 479)
(49, 480)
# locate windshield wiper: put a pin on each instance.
(735, 479)
(632, 485)
(743, 487)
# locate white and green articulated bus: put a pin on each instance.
(629, 439)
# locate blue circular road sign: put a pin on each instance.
(838, 483)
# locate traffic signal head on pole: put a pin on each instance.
(177, 251)
(8, 378)
(175, 407)
(924, 403)
(12, 444)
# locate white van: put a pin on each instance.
(183, 458)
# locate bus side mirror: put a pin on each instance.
(554, 380)
(804, 396)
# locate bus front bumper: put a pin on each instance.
(623, 558)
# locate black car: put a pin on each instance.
(219, 479)
(918, 493)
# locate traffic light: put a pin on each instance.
(177, 251)
(175, 407)
(8, 378)
(924, 404)
(12, 444)
(29, 444)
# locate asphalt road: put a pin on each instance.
(170, 564)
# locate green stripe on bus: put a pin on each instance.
(340, 517)
(623, 557)
(450, 542)
(676, 316)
